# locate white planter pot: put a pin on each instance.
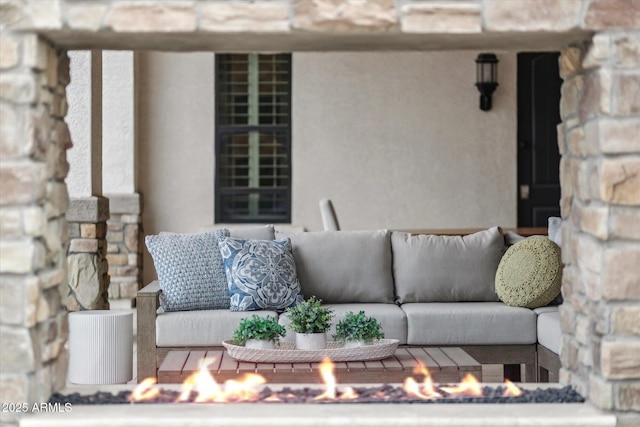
(311, 341)
(260, 344)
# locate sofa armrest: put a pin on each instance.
(147, 301)
(150, 290)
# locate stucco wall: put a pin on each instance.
(118, 123)
(176, 122)
(84, 119)
(396, 140)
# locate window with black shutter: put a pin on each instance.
(253, 138)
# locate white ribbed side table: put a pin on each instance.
(100, 347)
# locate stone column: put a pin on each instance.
(89, 211)
(124, 251)
(33, 230)
(600, 174)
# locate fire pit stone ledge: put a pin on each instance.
(351, 415)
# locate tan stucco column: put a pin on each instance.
(88, 268)
(119, 174)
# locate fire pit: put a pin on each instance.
(247, 401)
(201, 387)
(386, 393)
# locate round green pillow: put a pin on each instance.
(530, 273)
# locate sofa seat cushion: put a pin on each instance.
(343, 267)
(429, 268)
(199, 328)
(546, 309)
(549, 331)
(391, 318)
(469, 323)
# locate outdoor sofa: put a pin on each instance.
(425, 290)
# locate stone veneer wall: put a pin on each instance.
(87, 265)
(33, 229)
(600, 175)
(124, 250)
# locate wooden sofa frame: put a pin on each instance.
(548, 365)
(150, 356)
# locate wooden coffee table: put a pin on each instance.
(446, 364)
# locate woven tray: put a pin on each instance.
(287, 352)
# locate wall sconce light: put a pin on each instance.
(486, 78)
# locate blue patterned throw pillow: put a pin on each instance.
(261, 274)
(190, 270)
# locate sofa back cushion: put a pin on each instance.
(530, 273)
(257, 232)
(190, 270)
(345, 266)
(429, 268)
(261, 274)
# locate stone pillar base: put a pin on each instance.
(123, 247)
(86, 259)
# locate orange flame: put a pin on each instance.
(348, 394)
(273, 398)
(427, 391)
(427, 384)
(412, 388)
(469, 387)
(203, 384)
(205, 387)
(243, 389)
(144, 391)
(381, 395)
(511, 389)
(326, 372)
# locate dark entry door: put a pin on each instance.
(538, 155)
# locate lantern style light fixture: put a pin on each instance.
(486, 78)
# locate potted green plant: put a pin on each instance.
(310, 321)
(357, 329)
(258, 332)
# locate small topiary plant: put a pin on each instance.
(358, 327)
(258, 328)
(310, 317)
